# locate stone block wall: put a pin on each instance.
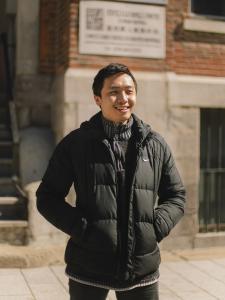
(33, 95)
(183, 137)
(33, 91)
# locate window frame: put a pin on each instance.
(155, 2)
(198, 15)
(212, 170)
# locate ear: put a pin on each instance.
(98, 100)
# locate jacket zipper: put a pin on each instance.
(132, 184)
(117, 267)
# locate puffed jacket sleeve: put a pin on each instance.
(171, 197)
(53, 189)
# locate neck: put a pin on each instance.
(115, 123)
(120, 131)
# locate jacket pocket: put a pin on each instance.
(145, 238)
(160, 226)
(147, 264)
(79, 230)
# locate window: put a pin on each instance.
(215, 8)
(212, 170)
(157, 2)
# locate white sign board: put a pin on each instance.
(160, 2)
(122, 29)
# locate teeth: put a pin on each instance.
(121, 108)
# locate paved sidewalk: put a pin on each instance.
(185, 275)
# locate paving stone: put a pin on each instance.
(213, 269)
(12, 283)
(59, 272)
(220, 261)
(44, 284)
(175, 283)
(199, 278)
(202, 279)
(195, 296)
(166, 296)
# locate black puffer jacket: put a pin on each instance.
(85, 158)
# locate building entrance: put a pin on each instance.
(212, 170)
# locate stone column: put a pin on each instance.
(41, 232)
(27, 36)
(183, 137)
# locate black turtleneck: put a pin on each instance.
(119, 135)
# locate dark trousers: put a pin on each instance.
(79, 291)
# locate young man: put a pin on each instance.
(119, 166)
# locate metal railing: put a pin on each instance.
(212, 200)
(11, 104)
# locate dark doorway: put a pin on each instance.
(212, 170)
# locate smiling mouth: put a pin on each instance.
(122, 109)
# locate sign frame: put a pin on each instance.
(114, 28)
(156, 2)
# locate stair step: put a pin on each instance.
(4, 115)
(6, 143)
(3, 103)
(12, 208)
(5, 130)
(6, 167)
(4, 126)
(5, 161)
(8, 200)
(7, 187)
(3, 95)
(5, 180)
(6, 149)
(5, 133)
(13, 232)
(13, 223)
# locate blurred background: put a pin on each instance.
(50, 51)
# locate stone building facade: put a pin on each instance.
(53, 84)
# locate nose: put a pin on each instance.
(122, 97)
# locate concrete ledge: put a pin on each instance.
(39, 256)
(200, 253)
(13, 224)
(13, 232)
(30, 256)
(210, 239)
(204, 25)
(196, 91)
(8, 200)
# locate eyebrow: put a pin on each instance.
(114, 87)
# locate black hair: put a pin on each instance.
(109, 70)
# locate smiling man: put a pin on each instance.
(117, 98)
(129, 195)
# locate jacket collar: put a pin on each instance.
(140, 130)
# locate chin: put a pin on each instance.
(124, 119)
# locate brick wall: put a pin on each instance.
(54, 35)
(187, 52)
(81, 60)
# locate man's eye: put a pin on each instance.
(129, 92)
(113, 93)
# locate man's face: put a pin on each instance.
(118, 97)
